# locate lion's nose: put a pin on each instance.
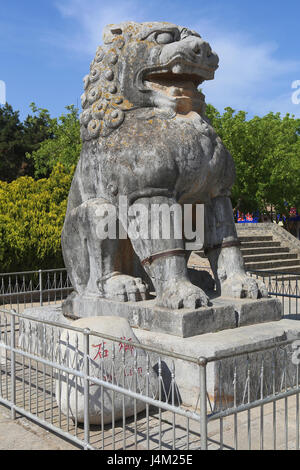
(192, 48)
(198, 46)
(202, 49)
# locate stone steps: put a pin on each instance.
(266, 265)
(286, 271)
(262, 253)
(255, 238)
(264, 250)
(269, 257)
(267, 244)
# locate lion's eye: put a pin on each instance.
(165, 38)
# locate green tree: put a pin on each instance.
(11, 143)
(31, 220)
(37, 129)
(17, 138)
(266, 151)
(62, 146)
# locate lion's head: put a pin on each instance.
(144, 65)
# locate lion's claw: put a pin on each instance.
(243, 286)
(125, 288)
(182, 294)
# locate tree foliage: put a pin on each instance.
(11, 143)
(62, 146)
(266, 152)
(31, 219)
(17, 138)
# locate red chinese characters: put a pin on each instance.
(127, 347)
(101, 353)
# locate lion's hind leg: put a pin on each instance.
(75, 251)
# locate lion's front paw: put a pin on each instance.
(182, 294)
(240, 286)
(124, 288)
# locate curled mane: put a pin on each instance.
(103, 105)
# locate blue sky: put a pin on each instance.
(46, 47)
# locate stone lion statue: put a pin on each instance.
(145, 137)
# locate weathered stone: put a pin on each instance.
(223, 314)
(112, 362)
(2, 356)
(37, 337)
(276, 362)
(258, 311)
(146, 138)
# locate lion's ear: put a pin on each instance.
(110, 32)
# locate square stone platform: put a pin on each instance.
(251, 351)
(222, 314)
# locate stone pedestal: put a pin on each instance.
(227, 327)
(223, 314)
(242, 335)
(275, 364)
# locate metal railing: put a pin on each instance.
(49, 373)
(104, 392)
(284, 286)
(23, 289)
(257, 398)
(29, 288)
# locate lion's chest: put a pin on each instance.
(175, 155)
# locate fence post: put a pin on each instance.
(41, 286)
(203, 402)
(86, 385)
(12, 364)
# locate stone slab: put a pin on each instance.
(251, 312)
(246, 344)
(223, 314)
(220, 373)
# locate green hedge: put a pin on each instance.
(31, 220)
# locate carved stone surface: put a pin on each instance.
(146, 137)
(112, 362)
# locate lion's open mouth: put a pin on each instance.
(173, 84)
(169, 78)
(182, 88)
(179, 81)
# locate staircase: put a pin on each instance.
(267, 252)
(265, 247)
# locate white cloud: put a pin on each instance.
(91, 17)
(251, 76)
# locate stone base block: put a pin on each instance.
(250, 360)
(235, 378)
(223, 314)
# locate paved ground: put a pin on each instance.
(22, 434)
